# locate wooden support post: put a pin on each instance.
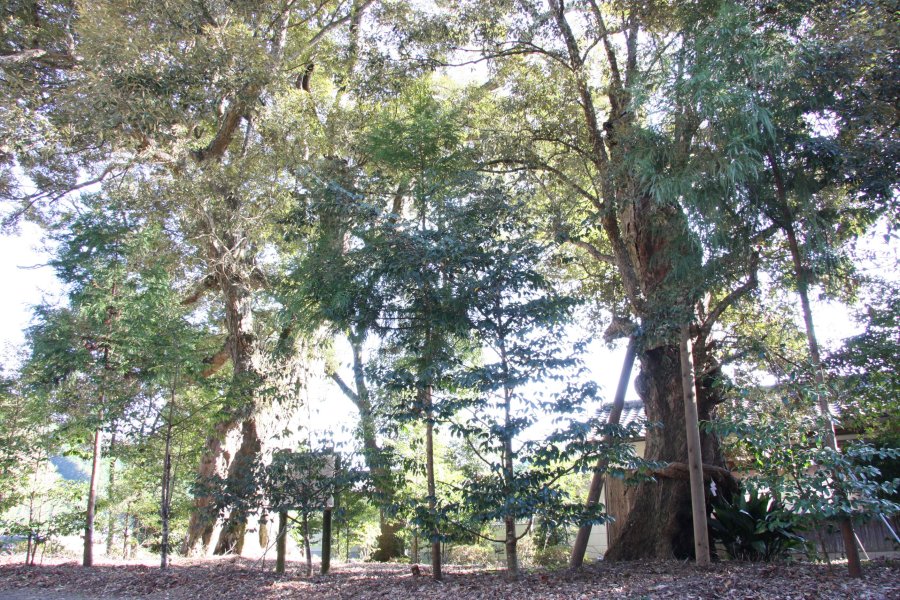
(579, 548)
(326, 541)
(281, 541)
(695, 459)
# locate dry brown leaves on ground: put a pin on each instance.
(240, 579)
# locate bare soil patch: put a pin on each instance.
(242, 579)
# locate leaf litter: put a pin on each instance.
(243, 579)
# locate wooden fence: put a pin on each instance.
(874, 537)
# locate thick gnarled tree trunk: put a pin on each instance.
(232, 262)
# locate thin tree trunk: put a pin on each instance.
(854, 565)
(306, 546)
(92, 502)
(125, 531)
(512, 553)
(110, 493)
(29, 557)
(436, 573)
(281, 542)
(579, 548)
(695, 459)
(326, 541)
(389, 543)
(166, 500)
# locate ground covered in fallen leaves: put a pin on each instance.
(240, 579)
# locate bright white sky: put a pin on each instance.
(27, 281)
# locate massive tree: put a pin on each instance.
(604, 105)
(210, 108)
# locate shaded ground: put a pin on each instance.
(240, 579)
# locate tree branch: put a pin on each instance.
(216, 361)
(344, 387)
(733, 296)
(204, 285)
(57, 60)
(593, 251)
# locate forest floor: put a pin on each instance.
(242, 579)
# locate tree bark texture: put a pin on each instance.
(512, 553)
(88, 559)
(659, 524)
(232, 268)
(231, 539)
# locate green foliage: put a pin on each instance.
(473, 554)
(782, 445)
(866, 370)
(754, 527)
(553, 557)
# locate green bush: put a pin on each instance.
(552, 556)
(755, 527)
(473, 554)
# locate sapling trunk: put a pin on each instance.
(281, 541)
(166, 499)
(110, 496)
(854, 566)
(326, 541)
(512, 553)
(306, 546)
(432, 489)
(88, 559)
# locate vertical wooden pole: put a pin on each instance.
(326, 541)
(281, 541)
(695, 458)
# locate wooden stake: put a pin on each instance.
(695, 460)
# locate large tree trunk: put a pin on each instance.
(659, 524)
(212, 463)
(232, 267)
(231, 539)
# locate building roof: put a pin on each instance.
(632, 412)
